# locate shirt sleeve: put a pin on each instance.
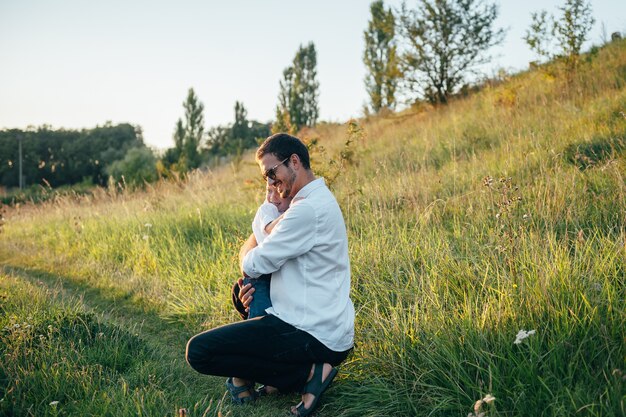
(265, 214)
(292, 237)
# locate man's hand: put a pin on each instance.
(245, 293)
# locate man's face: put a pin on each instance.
(285, 176)
(282, 204)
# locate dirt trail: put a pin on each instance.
(112, 308)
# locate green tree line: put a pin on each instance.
(64, 157)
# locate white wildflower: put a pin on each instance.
(145, 237)
(489, 398)
(148, 225)
(479, 404)
(54, 403)
(521, 335)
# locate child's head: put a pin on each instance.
(272, 196)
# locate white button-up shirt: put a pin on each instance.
(307, 255)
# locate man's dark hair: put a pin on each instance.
(283, 146)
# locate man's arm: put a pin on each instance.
(294, 236)
(245, 248)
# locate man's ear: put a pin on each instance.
(295, 161)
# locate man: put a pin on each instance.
(310, 327)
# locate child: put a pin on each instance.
(267, 217)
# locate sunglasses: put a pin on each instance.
(271, 172)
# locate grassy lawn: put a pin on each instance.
(501, 212)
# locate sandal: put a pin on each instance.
(316, 387)
(235, 391)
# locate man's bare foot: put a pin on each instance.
(238, 382)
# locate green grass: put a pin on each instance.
(59, 359)
(467, 223)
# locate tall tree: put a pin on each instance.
(179, 137)
(241, 129)
(299, 93)
(194, 129)
(172, 156)
(569, 31)
(380, 58)
(444, 41)
(234, 138)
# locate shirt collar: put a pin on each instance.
(308, 189)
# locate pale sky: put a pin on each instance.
(78, 63)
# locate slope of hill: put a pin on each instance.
(468, 224)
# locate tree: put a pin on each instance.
(188, 134)
(185, 155)
(380, 58)
(282, 124)
(445, 40)
(172, 156)
(64, 157)
(233, 139)
(569, 32)
(240, 131)
(194, 129)
(137, 167)
(299, 89)
(179, 137)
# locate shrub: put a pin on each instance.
(137, 167)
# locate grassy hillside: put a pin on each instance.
(504, 211)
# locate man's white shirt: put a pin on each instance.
(307, 255)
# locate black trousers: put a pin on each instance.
(264, 349)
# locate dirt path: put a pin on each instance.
(170, 338)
